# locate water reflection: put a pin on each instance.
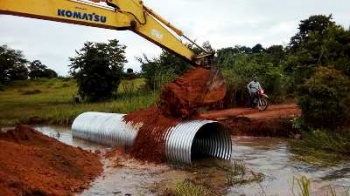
(64, 135)
(271, 157)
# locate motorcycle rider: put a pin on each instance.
(253, 87)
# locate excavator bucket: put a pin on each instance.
(196, 88)
(215, 87)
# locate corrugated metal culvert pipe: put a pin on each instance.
(183, 142)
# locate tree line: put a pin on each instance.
(14, 66)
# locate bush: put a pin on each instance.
(31, 92)
(324, 99)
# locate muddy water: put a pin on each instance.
(269, 156)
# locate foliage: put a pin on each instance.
(324, 99)
(39, 70)
(319, 42)
(12, 65)
(303, 185)
(98, 69)
(163, 69)
(322, 147)
(188, 188)
(159, 71)
(314, 24)
(240, 67)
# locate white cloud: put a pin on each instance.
(223, 23)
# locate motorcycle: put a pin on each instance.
(261, 100)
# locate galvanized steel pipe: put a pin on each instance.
(183, 142)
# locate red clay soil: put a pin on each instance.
(275, 121)
(179, 101)
(149, 144)
(198, 87)
(34, 164)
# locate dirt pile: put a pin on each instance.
(179, 101)
(149, 144)
(34, 164)
(198, 87)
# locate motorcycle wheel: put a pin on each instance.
(262, 104)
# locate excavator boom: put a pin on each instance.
(126, 15)
(118, 15)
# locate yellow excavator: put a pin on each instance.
(130, 15)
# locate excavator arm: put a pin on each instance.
(109, 14)
(129, 15)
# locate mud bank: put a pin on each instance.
(34, 164)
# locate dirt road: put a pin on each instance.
(275, 121)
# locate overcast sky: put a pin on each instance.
(224, 23)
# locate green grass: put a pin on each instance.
(321, 147)
(302, 184)
(51, 101)
(189, 188)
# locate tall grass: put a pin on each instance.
(52, 101)
(322, 147)
(303, 186)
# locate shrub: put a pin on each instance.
(31, 92)
(324, 99)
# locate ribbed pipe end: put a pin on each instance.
(193, 139)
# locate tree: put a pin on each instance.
(12, 65)
(325, 99)
(319, 42)
(277, 54)
(98, 68)
(39, 70)
(258, 48)
(316, 24)
(166, 67)
(161, 70)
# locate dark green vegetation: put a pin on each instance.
(13, 66)
(314, 69)
(322, 147)
(98, 70)
(325, 99)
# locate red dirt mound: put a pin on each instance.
(149, 143)
(196, 88)
(34, 164)
(179, 101)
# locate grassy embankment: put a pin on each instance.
(51, 101)
(322, 147)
